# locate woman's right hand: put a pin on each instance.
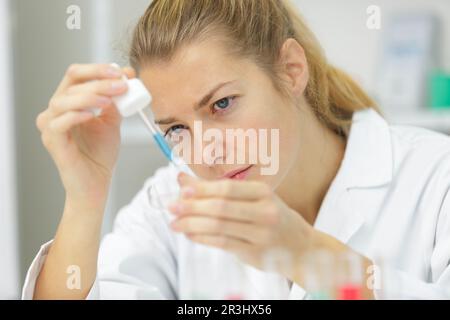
(84, 147)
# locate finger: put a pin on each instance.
(209, 226)
(78, 73)
(231, 189)
(42, 120)
(222, 242)
(243, 211)
(70, 119)
(100, 87)
(80, 102)
(111, 114)
(129, 72)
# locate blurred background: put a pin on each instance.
(398, 50)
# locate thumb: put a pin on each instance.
(129, 72)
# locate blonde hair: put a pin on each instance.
(256, 29)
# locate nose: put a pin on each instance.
(214, 151)
(209, 145)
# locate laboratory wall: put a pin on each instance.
(43, 46)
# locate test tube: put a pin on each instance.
(350, 277)
(218, 275)
(277, 262)
(318, 269)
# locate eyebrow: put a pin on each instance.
(203, 102)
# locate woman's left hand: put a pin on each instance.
(249, 220)
(243, 217)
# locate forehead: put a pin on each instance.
(192, 72)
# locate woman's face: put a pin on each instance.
(203, 86)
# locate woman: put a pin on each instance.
(347, 182)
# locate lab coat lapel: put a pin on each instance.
(367, 165)
(338, 217)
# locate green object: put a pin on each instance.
(320, 295)
(440, 90)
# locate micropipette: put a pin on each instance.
(135, 101)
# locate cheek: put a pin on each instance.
(283, 119)
(269, 112)
(286, 119)
(261, 113)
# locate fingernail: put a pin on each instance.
(118, 85)
(176, 208)
(187, 192)
(113, 72)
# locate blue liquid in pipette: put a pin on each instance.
(164, 146)
(161, 142)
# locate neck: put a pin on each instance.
(308, 182)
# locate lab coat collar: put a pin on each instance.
(367, 167)
(368, 158)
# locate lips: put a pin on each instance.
(238, 174)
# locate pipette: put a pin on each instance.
(135, 101)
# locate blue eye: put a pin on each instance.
(174, 130)
(223, 104)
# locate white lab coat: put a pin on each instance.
(389, 200)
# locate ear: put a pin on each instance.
(294, 66)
